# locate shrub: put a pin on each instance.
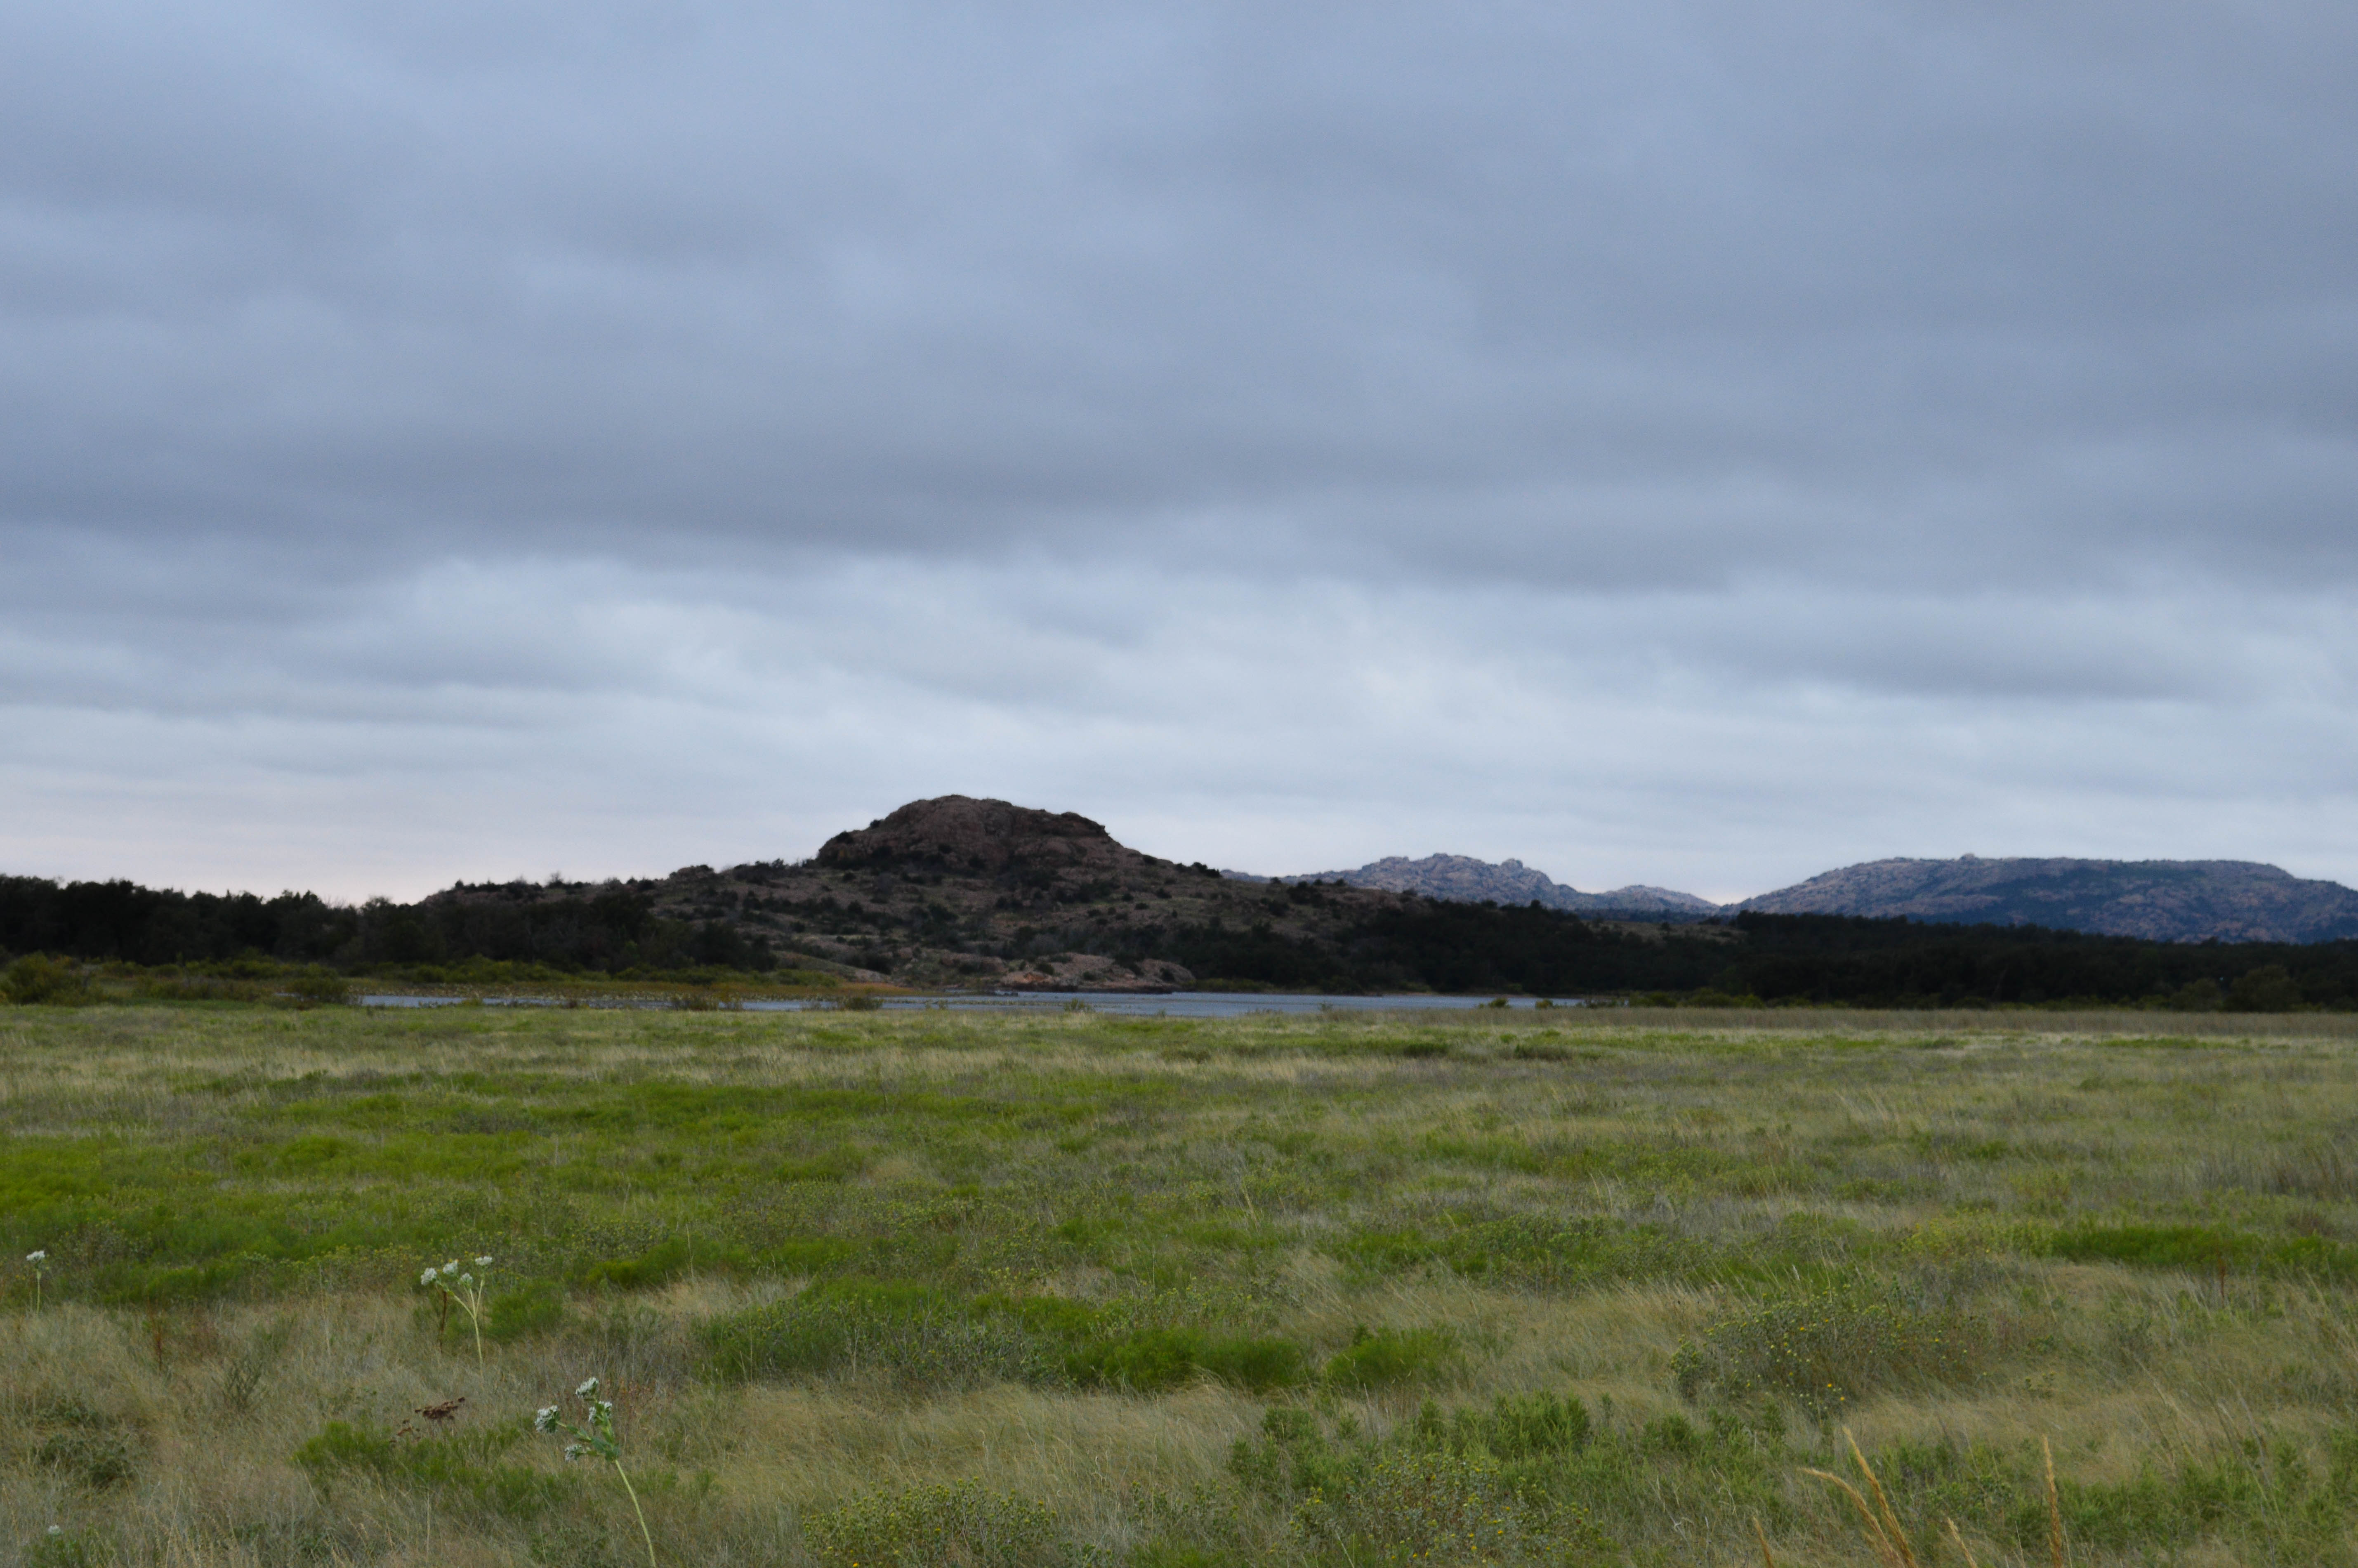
(532, 1307)
(2198, 996)
(1433, 1507)
(93, 1456)
(1825, 1351)
(1259, 1365)
(1521, 1426)
(37, 980)
(1383, 1356)
(2201, 1249)
(1153, 1359)
(2269, 988)
(318, 989)
(1147, 1360)
(663, 1262)
(925, 1526)
(1291, 1458)
(2193, 1247)
(913, 1333)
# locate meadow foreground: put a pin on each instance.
(945, 1287)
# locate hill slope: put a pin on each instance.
(2168, 901)
(958, 890)
(1469, 880)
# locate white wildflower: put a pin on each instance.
(546, 1420)
(40, 1257)
(483, 1263)
(599, 1441)
(452, 1267)
(428, 1276)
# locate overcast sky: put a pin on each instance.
(1681, 443)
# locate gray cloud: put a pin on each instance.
(469, 434)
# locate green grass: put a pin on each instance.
(1067, 1288)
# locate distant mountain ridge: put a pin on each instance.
(1464, 879)
(2165, 901)
(2168, 901)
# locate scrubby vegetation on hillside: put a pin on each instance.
(1299, 937)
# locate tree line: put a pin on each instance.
(1419, 945)
(1860, 961)
(608, 930)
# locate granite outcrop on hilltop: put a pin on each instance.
(956, 833)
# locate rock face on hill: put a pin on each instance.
(1469, 881)
(960, 835)
(2169, 900)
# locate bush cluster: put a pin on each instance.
(922, 1527)
(1827, 1351)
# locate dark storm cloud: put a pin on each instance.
(1637, 293)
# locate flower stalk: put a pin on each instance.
(466, 1288)
(596, 1440)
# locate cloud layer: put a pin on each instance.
(1673, 444)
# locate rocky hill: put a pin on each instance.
(1469, 880)
(2168, 901)
(955, 891)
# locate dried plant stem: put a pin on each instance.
(2054, 1509)
(1899, 1536)
(1883, 1547)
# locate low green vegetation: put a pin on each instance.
(1496, 1287)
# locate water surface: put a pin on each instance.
(1175, 1004)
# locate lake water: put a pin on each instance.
(1177, 1005)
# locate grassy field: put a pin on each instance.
(941, 1288)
